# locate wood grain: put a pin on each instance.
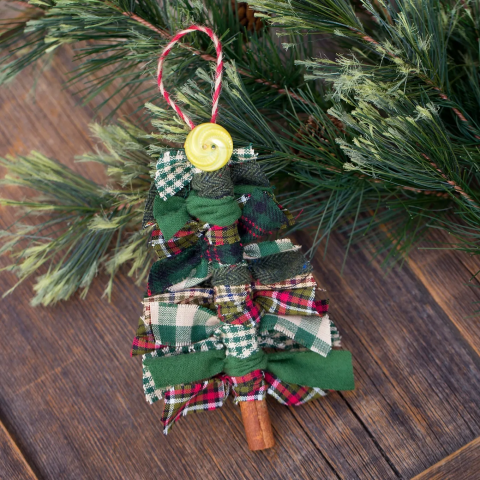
(13, 464)
(417, 380)
(464, 464)
(72, 398)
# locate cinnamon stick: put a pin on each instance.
(258, 428)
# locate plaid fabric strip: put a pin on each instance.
(248, 387)
(278, 341)
(221, 255)
(299, 301)
(313, 332)
(299, 281)
(263, 249)
(152, 395)
(230, 300)
(321, 306)
(167, 351)
(197, 296)
(192, 296)
(251, 313)
(185, 238)
(185, 399)
(144, 340)
(243, 154)
(336, 338)
(289, 393)
(174, 171)
(219, 236)
(181, 324)
(235, 304)
(240, 340)
(262, 216)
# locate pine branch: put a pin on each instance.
(131, 51)
(75, 227)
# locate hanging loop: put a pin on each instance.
(218, 73)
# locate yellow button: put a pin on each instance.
(209, 147)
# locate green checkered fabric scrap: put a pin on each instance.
(278, 341)
(313, 332)
(262, 249)
(152, 394)
(173, 172)
(181, 324)
(240, 340)
(243, 154)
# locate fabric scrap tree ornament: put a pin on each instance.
(226, 312)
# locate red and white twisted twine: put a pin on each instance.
(218, 73)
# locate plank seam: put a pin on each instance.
(309, 436)
(28, 465)
(373, 439)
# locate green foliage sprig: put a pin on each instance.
(379, 141)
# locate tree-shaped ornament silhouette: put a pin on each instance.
(226, 312)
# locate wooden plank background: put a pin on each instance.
(71, 399)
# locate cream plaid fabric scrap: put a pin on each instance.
(314, 332)
(178, 325)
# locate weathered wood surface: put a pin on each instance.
(464, 464)
(71, 400)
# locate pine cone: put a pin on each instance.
(246, 16)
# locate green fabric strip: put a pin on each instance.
(238, 367)
(221, 212)
(333, 372)
(179, 369)
(171, 215)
